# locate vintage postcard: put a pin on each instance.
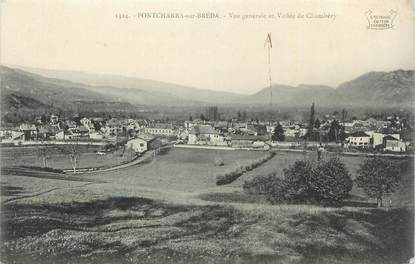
(207, 132)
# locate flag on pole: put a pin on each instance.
(268, 41)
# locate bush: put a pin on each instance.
(260, 184)
(47, 169)
(277, 191)
(228, 177)
(269, 185)
(327, 183)
(218, 161)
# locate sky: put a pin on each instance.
(224, 53)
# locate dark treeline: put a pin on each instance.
(226, 112)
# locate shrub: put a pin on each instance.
(260, 184)
(269, 185)
(218, 161)
(277, 191)
(47, 169)
(228, 177)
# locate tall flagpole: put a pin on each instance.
(268, 42)
(269, 73)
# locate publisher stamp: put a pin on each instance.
(380, 21)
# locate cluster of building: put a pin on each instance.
(384, 135)
(140, 134)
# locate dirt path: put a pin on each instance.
(13, 199)
(27, 172)
(139, 160)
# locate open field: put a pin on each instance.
(180, 169)
(28, 156)
(171, 211)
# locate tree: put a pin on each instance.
(317, 123)
(378, 177)
(334, 131)
(278, 134)
(297, 186)
(311, 121)
(73, 152)
(297, 137)
(326, 183)
(343, 132)
(97, 125)
(44, 153)
(330, 182)
(77, 120)
(43, 119)
(244, 116)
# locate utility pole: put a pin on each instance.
(344, 115)
(268, 43)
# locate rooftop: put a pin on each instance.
(202, 129)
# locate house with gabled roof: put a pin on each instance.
(205, 135)
(248, 141)
(29, 131)
(393, 144)
(359, 139)
(162, 129)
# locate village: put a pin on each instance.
(329, 133)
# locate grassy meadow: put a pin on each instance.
(28, 156)
(181, 169)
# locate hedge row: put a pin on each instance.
(230, 176)
(47, 169)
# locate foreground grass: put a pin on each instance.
(138, 230)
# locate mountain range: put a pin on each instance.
(40, 88)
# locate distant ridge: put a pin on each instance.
(27, 91)
(141, 91)
(386, 89)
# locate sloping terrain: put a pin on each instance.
(141, 91)
(395, 88)
(303, 95)
(108, 223)
(17, 101)
(24, 91)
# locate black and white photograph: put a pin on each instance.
(207, 131)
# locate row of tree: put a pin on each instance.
(327, 182)
(74, 152)
(336, 131)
